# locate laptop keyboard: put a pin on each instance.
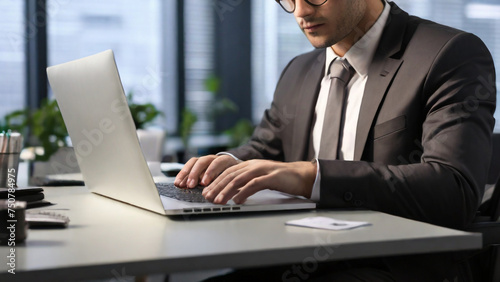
(188, 195)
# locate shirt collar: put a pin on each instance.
(360, 55)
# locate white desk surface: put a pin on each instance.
(106, 238)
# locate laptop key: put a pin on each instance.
(182, 194)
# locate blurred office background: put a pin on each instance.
(167, 49)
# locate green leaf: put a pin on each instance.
(240, 133)
(189, 118)
(212, 84)
(142, 114)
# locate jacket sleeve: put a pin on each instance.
(266, 141)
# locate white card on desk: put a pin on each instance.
(326, 223)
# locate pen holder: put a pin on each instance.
(10, 149)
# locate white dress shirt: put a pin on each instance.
(360, 56)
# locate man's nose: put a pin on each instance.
(303, 9)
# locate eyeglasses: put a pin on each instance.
(289, 5)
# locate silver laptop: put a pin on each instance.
(94, 107)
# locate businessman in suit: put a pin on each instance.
(413, 135)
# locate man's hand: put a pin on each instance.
(247, 178)
(203, 170)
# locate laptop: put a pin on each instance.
(95, 110)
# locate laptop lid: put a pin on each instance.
(95, 110)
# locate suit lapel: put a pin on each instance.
(384, 67)
(306, 104)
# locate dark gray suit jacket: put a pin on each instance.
(423, 140)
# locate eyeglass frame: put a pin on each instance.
(307, 1)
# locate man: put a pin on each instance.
(414, 134)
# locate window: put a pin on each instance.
(143, 36)
(12, 59)
(277, 39)
(199, 61)
(140, 34)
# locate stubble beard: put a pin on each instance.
(322, 44)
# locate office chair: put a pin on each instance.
(487, 261)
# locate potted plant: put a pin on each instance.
(44, 124)
(47, 135)
(48, 142)
(151, 140)
(142, 114)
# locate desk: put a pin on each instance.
(108, 238)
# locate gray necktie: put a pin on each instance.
(340, 73)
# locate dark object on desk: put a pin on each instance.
(50, 181)
(33, 196)
(171, 169)
(19, 192)
(13, 227)
(10, 147)
(29, 194)
(171, 173)
(46, 219)
(38, 204)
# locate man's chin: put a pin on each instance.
(322, 45)
(318, 43)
